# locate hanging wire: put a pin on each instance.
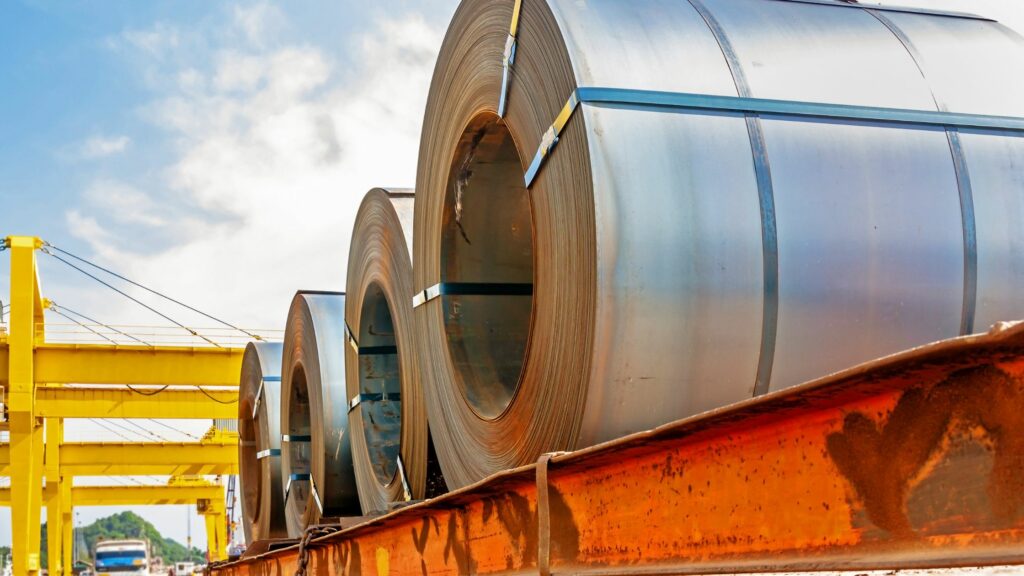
(125, 428)
(149, 432)
(109, 429)
(172, 428)
(150, 290)
(133, 299)
(54, 305)
(211, 397)
(148, 392)
(53, 308)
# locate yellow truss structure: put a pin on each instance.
(47, 382)
(208, 497)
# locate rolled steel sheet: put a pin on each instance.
(683, 258)
(387, 417)
(259, 442)
(316, 455)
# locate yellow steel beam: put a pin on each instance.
(140, 458)
(110, 364)
(111, 402)
(102, 364)
(136, 495)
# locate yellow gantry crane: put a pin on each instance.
(44, 383)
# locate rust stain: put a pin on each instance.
(885, 461)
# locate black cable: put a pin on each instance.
(133, 299)
(80, 315)
(150, 290)
(152, 393)
(211, 397)
(53, 308)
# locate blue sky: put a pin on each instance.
(215, 150)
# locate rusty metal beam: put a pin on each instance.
(915, 460)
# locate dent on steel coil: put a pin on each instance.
(316, 456)
(388, 419)
(259, 446)
(728, 197)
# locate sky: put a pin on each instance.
(216, 151)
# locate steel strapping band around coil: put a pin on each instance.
(472, 289)
(312, 488)
(268, 453)
(296, 438)
(259, 393)
(708, 102)
(373, 397)
(509, 57)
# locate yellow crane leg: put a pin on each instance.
(54, 505)
(26, 325)
(67, 532)
(216, 529)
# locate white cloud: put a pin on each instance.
(103, 146)
(154, 41)
(256, 21)
(273, 156)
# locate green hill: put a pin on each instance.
(128, 525)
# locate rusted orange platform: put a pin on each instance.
(915, 460)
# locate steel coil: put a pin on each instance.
(259, 442)
(689, 202)
(316, 456)
(388, 419)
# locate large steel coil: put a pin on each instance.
(259, 442)
(388, 419)
(690, 202)
(316, 456)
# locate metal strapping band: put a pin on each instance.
(406, 491)
(316, 496)
(472, 289)
(259, 393)
(783, 108)
(766, 206)
(374, 397)
(296, 438)
(368, 350)
(544, 515)
(269, 452)
(305, 477)
(509, 57)
(963, 184)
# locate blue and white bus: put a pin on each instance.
(122, 558)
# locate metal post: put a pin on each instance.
(26, 435)
(54, 500)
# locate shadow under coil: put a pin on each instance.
(677, 259)
(316, 457)
(388, 417)
(259, 443)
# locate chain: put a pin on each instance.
(312, 533)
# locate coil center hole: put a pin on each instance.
(298, 438)
(487, 239)
(380, 384)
